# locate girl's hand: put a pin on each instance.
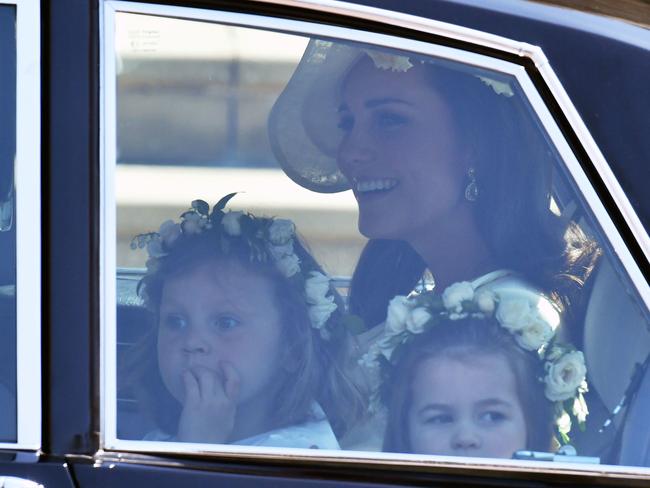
(210, 404)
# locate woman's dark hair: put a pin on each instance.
(513, 168)
(465, 340)
(313, 366)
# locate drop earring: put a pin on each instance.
(471, 190)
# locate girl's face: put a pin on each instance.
(217, 314)
(399, 150)
(466, 407)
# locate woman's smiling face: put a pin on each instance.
(399, 150)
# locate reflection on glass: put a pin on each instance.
(7, 224)
(480, 317)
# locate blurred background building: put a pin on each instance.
(192, 105)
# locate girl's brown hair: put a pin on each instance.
(463, 340)
(312, 372)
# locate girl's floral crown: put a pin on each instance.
(268, 240)
(528, 315)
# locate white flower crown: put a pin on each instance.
(400, 64)
(266, 238)
(528, 315)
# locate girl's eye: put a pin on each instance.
(493, 417)
(439, 419)
(174, 322)
(346, 122)
(391, 120)
(226, 322)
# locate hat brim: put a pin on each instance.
(303, 123)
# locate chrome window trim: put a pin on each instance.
(108, 437)
(27, 177)
(108, 225)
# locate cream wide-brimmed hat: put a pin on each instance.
(303, 123)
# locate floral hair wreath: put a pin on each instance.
(268, 239)
(400, 63)
(527, 315)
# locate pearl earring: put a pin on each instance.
(471, 190)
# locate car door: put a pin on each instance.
(21, 408)
(176, 107)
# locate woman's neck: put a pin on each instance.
(454, 250)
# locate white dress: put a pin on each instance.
(315, 433)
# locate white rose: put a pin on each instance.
(230, 223)
(417, 319)
(513, 313)
(278, 252)
(535, 333)
(192, 223)
(369, 359)
(398, 311)
(392, 62)
(564, 423)
(320, 313)
(169, 232)
(454, 296)
(564, 376)
(485, 300)
(155, 249)
(317, 286)
(281, 231)
(288, 265)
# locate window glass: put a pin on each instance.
(486, 314)
(7, 224)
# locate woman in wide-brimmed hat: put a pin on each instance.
(450, 168)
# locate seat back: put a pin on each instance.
(616, 338)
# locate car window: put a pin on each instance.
(7, 224)
(482, 303)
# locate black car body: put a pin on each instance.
(592, 73)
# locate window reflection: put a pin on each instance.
(484, 312)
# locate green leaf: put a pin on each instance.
(201, 207)
(354, 324)
(565, 439)
(221, 204)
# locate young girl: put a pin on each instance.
(247, 335)
(477, 373)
